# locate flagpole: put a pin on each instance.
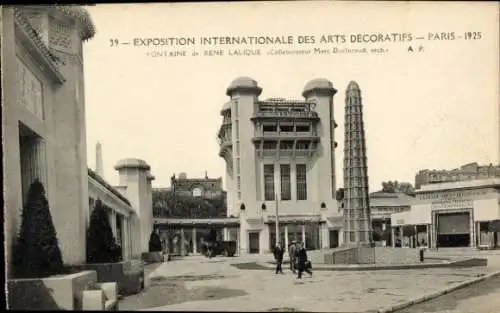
(277, 220)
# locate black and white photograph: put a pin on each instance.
(259, 156)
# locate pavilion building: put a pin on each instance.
(452, 214)
(280, 157)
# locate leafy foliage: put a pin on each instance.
(166, 204)
(395, 186)
(36, 251)
(101, 244)
(154, 242)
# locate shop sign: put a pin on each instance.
(454, 204)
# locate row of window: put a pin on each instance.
(273, 128)
(284, 145)
(285, 180)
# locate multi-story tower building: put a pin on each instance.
(471, 171)
(281, 153)
(357, 229)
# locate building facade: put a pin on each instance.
(456, 214)
(43, 118)
(44, 131)
(382, 206)
(280, 157)
(203, 188)
(469, 171)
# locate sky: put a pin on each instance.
(436, 108)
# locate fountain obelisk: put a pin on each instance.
(357, 220)
(98, 160)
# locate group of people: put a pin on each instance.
(298, 258)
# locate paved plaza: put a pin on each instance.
(483, 297)
(198, 283)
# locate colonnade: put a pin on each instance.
(183, 231)
(414, 243)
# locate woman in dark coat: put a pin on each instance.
(303, 265)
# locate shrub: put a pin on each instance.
(36, 251)
(154, 242)
(101, 244)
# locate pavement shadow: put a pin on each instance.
(164, 291)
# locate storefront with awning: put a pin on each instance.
(458, 214)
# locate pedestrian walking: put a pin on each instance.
(303, 265)
(278, 256)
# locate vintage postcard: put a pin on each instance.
(314, 156)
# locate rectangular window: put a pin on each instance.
(303, 145)
(269, 182)
(269, 128)
(286, 128)
(270, 145)
(286, 193)
(286, 145)
(301, 170)
(303, 128)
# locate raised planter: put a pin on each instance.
(60, 292)
(103, 297)
(152, 257)
(125, 274)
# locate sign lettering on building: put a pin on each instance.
(453, 204)
(451, 195)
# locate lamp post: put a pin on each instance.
(277, 220)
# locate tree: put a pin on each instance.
(395, 186)
(101, 244)
(407, 188)
(36, 252)
(154, 242)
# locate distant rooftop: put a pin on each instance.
(460, 185)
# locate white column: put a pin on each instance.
(416, 243)
(401, 235)
(193, 238)
(304, 235)
(113, 222)
(286, 238)
(125, 244)
(225, 234)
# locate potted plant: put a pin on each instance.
(41, 280)
(36, 251)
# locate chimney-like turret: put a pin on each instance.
(98, 160)
(357, 228)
